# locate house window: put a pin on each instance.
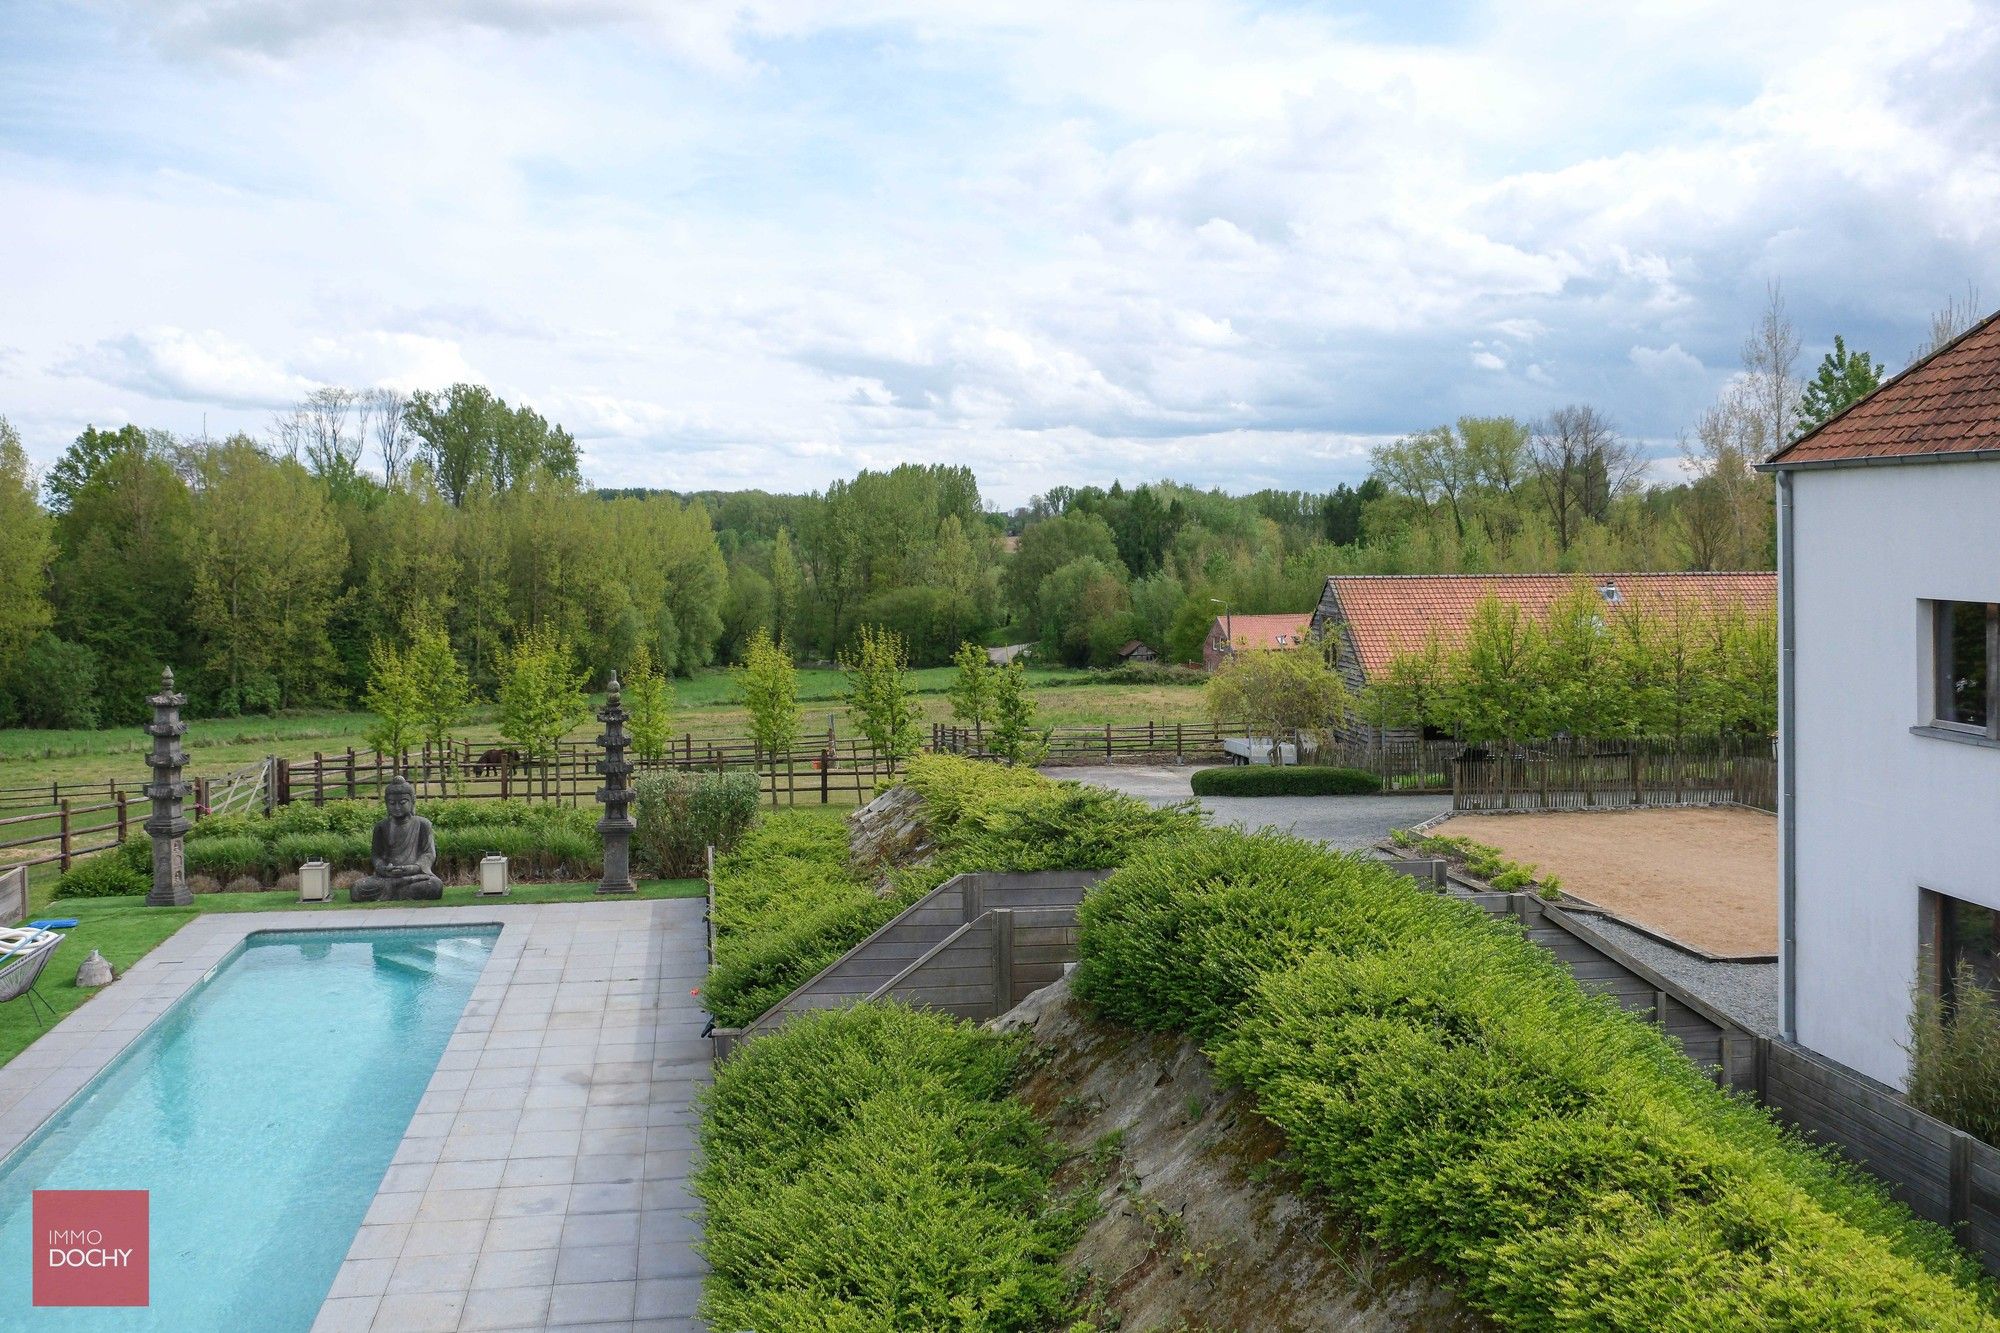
(1968, 938)
(1968, 645)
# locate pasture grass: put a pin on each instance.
(705, 706)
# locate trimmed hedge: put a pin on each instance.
(1288, 780)
(863, 1168)
(541, 840)
(787, 903)
(1451, 1083)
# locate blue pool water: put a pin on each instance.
(260, 1111)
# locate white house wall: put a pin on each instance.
(1881, 812)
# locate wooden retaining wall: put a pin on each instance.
(961, 947)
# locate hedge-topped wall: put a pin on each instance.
(541, 841)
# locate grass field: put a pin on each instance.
(705, 706)
(125, 930)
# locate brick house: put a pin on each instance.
(1251, 634)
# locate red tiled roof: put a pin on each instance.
(1946, 404)
(1256, 633)
(1386, 614)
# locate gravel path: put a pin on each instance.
(1349, 822)
(1747, 992)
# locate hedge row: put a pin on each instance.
(539, 840)
(1290, 780)
(864, 1168)
(786, 904)
(1452, 1084)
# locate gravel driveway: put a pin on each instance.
(1349, 822)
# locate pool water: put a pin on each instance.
(261, 1111)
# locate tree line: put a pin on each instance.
(266, 572)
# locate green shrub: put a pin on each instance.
(137, 852)
(1955, 1055)
(353, 817)
(298, 817)
(1290, 780)
(227, 826)
(103, 876)
(1451, 1083)
(863, 1169)
(985, 816)
(1177, 938)
(342, 851)
(787, 903)
(228, 858)
(681, 814)
(1478, 859)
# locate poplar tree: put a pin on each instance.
(541, 692)
(649, 698)
(1016, 737)
(972, 688)
(769, 687)
(881, 698)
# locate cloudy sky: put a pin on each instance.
(770, 242)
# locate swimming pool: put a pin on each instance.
(260, 1111)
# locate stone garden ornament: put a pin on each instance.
(403, 851)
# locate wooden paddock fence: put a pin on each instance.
(1619, 775)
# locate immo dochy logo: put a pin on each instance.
(90, 1247)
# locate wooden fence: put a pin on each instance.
(1616, 775)
(829, 771)
(70, 830)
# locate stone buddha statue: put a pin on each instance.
(403, 851)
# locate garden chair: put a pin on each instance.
(24, 952)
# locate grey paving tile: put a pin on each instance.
(506, 1308)
(592, 1302)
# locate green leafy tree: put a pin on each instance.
(972, 688)
(86, 459)
(787, 588)
(444, 690)
(881, 697)
(474, 443)
(56, 685)
(1491, 690)
(121, 583)
(541, 692)
(1413, 690)
(1283, 695)
(1843, 379)
(649, 698)
(1586, 691)
(1017, 737)
(25, 552)
(394, 696)
(769, 686)
(267, 556)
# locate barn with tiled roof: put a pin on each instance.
(1375, 617)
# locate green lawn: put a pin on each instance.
(125, 930)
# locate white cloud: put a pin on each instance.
(780, 239)
(188, 366)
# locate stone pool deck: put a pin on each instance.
(542, 1183)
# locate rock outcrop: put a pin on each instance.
(889, 831)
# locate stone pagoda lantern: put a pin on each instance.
(616, 826)
(166, 823)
